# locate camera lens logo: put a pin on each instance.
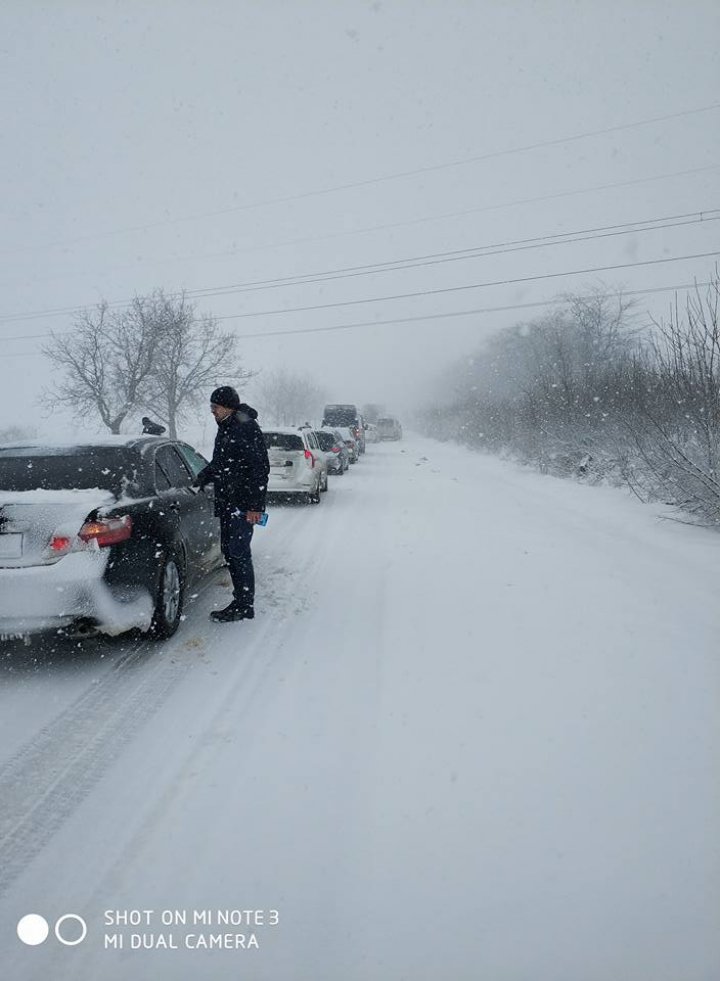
(33, 929)
(70, 929)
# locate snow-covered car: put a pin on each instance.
(297, 465)
(101, 536)
(346, 416)
(333, 448)
(389, 428)
(371, 433)
(348, 438)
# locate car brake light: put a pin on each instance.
(106, 531)
(335, 449)
(60, 543)
(310, 458)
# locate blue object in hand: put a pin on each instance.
(263, 518)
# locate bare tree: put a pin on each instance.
(289, 399)
(191, 357)
(157, 355)
(106, 361)
(677, 431)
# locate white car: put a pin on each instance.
(336, 452)
(297, 465)
(371, 433)
(389, 428)
(350, 441)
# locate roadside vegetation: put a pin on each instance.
(585, 391)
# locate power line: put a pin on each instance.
(432, 168)
(418, 221)
(470, 286)
(433, 292)
(449, 214)
(430, 316)
(465, 313)
(443, 290)
(482, 251)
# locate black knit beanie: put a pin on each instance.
(225, 396)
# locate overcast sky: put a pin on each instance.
(199, 145)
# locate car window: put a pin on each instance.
(171, 466)
(340, 415)
(312, 441)
(25, 468)
(326, 440)
(283, 441)
(192, 458)
(162, 481)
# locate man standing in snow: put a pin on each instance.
(239, 470)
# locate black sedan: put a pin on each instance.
(102, 536)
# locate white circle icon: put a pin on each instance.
(83, 929)
(33, 929)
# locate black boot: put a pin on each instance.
(225, 616)
(232, 612)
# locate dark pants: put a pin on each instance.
(235, 536)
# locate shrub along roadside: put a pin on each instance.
(584, 392)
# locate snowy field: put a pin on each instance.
(471, 735)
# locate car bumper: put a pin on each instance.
(50, 597)
(293, 484)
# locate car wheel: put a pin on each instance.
(324, 485)
(168, 599)
(314, 496)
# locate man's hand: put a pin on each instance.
(253, 516)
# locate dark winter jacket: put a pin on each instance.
(239, 467)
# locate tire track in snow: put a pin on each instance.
(43, 783)
(262, 654)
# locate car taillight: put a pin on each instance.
(335, 449)
(106, 531)
(60, 543)
(310, 458)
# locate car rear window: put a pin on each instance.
(340, 415)
(83, 467)
(283, 441)
(326, 440)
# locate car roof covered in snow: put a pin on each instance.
(63, 447)
(295, 430)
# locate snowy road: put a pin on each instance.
(471, 735)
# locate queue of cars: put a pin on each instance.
(301, 459)
(107, 535)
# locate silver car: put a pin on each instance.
(348, 438)
(336, 452)
(297, 465)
